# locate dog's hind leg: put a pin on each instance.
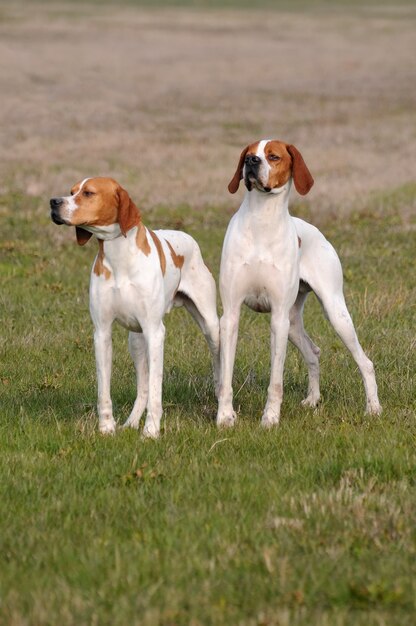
(336, 310)
(197, 293)
(309, 351)
(210, 330)
(138, 352)
(322, 271)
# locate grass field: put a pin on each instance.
(313, 523)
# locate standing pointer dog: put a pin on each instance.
(138, 275)
(271, 261)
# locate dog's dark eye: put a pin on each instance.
(87, 193)
(274, 157)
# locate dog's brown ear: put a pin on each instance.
(128, 213)
(301, 175)
(82, 235)
(235, 181)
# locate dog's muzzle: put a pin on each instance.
(251, 173)
(251, 170)
(55, 204)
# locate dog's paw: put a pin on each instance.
(151, 430)
(107, 427)
(226, 419)
(269, 420)
(373, 408)
(311, 400)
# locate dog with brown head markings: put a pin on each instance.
(137, 277)
(270, 262)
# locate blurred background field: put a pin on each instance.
(165, 99)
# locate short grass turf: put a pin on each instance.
(310, 523)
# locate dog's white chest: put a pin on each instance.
(127, 306)
(134, 287)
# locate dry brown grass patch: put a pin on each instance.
(164, 99)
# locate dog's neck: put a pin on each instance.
(268, 208)
(106, 233)
(129, 219)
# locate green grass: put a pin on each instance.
(312, 523)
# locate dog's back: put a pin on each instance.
(319, 261)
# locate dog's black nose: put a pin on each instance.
(252, 159)
(55, 203)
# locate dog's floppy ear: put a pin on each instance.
(128, 213)
(301, 175)
(82, 235)
(235, 181)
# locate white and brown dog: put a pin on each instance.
(271, 261)
(137, 277)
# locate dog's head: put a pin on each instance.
(268, 165)
(95, 203)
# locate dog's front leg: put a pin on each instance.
(103, 357)
(279, 336)
(155, 338)
(228, 341)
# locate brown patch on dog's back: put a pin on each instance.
(141, 239)
(159, 248)
(178, 259)
(99, 267)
